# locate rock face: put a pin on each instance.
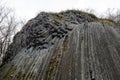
(71, 45)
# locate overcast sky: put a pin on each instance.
(29, 8)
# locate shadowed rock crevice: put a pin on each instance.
(70, 45)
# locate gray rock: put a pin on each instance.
(71, 45)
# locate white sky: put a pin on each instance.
(29, 8)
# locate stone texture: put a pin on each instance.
(70, 45)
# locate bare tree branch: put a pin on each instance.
(8, 27)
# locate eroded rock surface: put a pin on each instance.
(70, 45)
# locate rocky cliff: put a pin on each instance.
(70, 45)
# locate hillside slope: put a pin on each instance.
(70, 45)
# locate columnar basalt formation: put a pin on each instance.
(70, 45)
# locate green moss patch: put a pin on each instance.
(107, 21)
(53, 65)
(65, 44)
(9, 73)
(20, 74)
(74, 11)
(57, 17)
